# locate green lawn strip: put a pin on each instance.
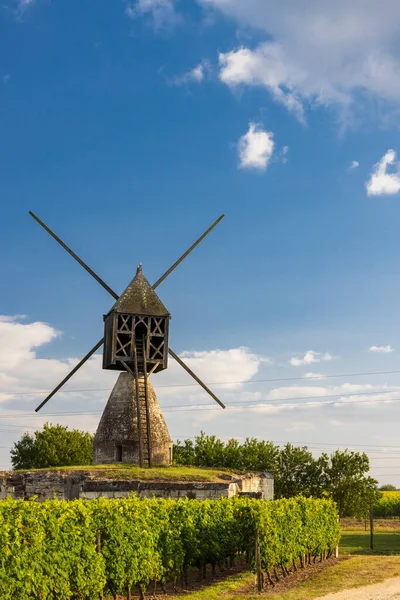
(358, 542)
(222, 588)
(173, 473)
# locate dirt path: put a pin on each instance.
(387, 590)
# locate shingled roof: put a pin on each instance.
(139, 298)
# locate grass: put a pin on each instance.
(173, 473)
(356, 542)
(359, 566)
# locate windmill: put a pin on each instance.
(132, 428)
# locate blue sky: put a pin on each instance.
(128, 127)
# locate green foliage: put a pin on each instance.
(388, 487)
(209, 451)
(341, 476)
(54, 446)
(50, 550)
(387, 505)
(299, 472)
(348, 484)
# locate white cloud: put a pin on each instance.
(23, 372)
(309, 358)
(19, 340)
(314, 376)
(284, 154)
(354, 165)
(162, 12)
(262, 67)
(195, 75)
(23, 6)
(382, 349)
(382, 182)
(340, 54)
(255, 148)
(231, 367)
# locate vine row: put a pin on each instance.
(85, 550)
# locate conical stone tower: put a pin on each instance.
(117, 436)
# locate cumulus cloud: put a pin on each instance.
(354, 165)
(19, 341)
(256, 148)
(319, 52)
(23, 372)
(162, 12)
(309, 358)
(261, 67)
(195, 75)
(231, 367)
(382, 181)
(382, 349)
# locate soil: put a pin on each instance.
(196, 583)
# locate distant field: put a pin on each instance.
(388, 505)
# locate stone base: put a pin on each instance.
(69, 485)
(117, 438)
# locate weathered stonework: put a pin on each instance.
(68, 485)
(116, 439)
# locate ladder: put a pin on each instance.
(142, 402)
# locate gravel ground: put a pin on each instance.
(387, 590)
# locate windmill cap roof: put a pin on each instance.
(139, 298)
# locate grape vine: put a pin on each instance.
(84, 550)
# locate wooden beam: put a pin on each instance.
(185, 254)
(203, 385)
(71, 373)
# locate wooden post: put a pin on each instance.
(371, 527)
(337, 547)
(98, 549)
(258, 562)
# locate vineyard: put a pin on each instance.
(86, 550)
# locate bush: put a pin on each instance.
(54, 446)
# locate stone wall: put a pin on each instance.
(67, 485)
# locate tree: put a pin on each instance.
(209, 451)
(299, 472)
(348, 484)
(54, 446)
(183, 453)
(388, 487)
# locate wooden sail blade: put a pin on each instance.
(75, 256)
(70, 374)
(188, 251)
(203, 385)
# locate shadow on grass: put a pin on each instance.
(359, 543)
